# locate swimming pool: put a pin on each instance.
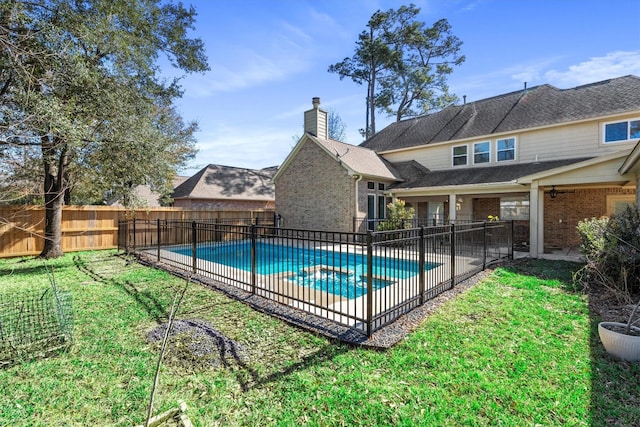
(341, 273)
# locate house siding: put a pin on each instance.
(553, 143)
(315, 192)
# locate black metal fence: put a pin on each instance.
(362, 280)
(363, 224)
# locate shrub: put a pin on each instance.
(612, 249)
(591, 233)
(398, 217)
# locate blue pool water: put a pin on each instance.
(349, 281)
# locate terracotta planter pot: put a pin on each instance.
(626, 347)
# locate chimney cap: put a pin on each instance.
(315, 101)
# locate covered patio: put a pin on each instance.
(546, 200)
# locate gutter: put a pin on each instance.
(358, 178)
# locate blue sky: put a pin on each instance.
(268, 59)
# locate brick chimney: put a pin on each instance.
(316, 120)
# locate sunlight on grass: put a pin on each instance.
(516, 349)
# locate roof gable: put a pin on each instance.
(355, 159)
(538, 106)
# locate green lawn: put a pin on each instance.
(519, 348)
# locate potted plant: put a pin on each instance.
(620, 339)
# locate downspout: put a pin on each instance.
(358, 178)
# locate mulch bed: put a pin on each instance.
(195, 345)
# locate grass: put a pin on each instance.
(519, 348)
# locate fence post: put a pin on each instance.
(453, 254)
(194, 246)
(512, 240)
(421, 261)
(134, 234)
(159, 233)
(484, 246)
(369, 285)
(253, 259)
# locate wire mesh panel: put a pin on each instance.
(34, 322)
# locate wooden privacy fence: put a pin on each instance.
(94, 227)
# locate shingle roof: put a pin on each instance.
(228, 182)
(362, 161)
(417, 176)
(537, 106)
(145, 196)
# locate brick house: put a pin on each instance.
(543, 157)
(227, 187)
(324, 184)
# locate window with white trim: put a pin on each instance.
(617, 203)
(460, 155)
(481, 152)
(621, 131)
(505, 149)
(514, 208)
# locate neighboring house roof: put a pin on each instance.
(144, 196)
(538, 106)
(357, 160)
(417, 176)
(228, 182)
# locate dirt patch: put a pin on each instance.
(605, 305)
(195, 345)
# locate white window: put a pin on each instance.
(506, 149)
(617, 203)
(460, 155)
(481, 152)
(514, 208)
(622, 131)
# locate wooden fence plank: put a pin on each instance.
(93, 227)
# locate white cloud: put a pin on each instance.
(547, 71)
(250, 69)
(613, 64)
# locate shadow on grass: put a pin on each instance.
(552, 270)
(231, 359)
(117, 264)
(249, 378)
(615, 384)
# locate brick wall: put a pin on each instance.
(484, 207)
(561, 215)
(315, 192)
(221, 204)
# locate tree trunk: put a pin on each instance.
(54, 193)
(53, 202)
